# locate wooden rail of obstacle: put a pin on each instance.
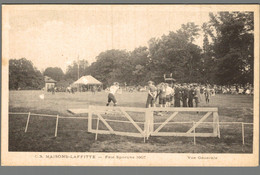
(184, 109)
(148, 123)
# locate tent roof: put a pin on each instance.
(87, 80)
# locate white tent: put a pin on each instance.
(87, 80)
(86, 83)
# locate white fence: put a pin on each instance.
(46, 115)
(148, 121)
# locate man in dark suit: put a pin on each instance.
(191, 93)
(177, 96)
(185, 95)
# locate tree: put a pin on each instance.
(190, 31)
(233, 46)
(23, 75)
(55, 73)
(139, 59)
(208, 70)
(230, 69)
(111, 65)
(175, 53)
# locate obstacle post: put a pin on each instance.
(27, 123)
(148, 123)
(243, 133)
(90, 119)
(215, 124)
(97, 129)
(194, 133)
(56, 128)
(218, 131)
(151, 124)
(217, 119)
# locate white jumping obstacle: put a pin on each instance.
(149, 123)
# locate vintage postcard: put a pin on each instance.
(130, 85)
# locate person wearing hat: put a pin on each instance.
(172, 95)
(152, 92)
(177, 96)
(111, 96)
(190, 96)
(185, 94)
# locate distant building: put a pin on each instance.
(49, 83)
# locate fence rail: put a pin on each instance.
(142, 133)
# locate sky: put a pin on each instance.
(55, 35)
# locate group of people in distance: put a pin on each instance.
(175, 95)
(168, 95)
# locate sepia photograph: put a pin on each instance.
(130, 85)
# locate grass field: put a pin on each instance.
(73, 135)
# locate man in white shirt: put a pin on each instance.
(169, 94)
(111, 96)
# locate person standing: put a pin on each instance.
(162, 95)
(185, 94)
(191, 96)
(169, 93)
(177, 96)
(150, 102)
(94, 89)
(207, 94)
(111, 96)
(197, 96)
(172, 96)
(53, 90)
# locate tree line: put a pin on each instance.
(226, 58)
